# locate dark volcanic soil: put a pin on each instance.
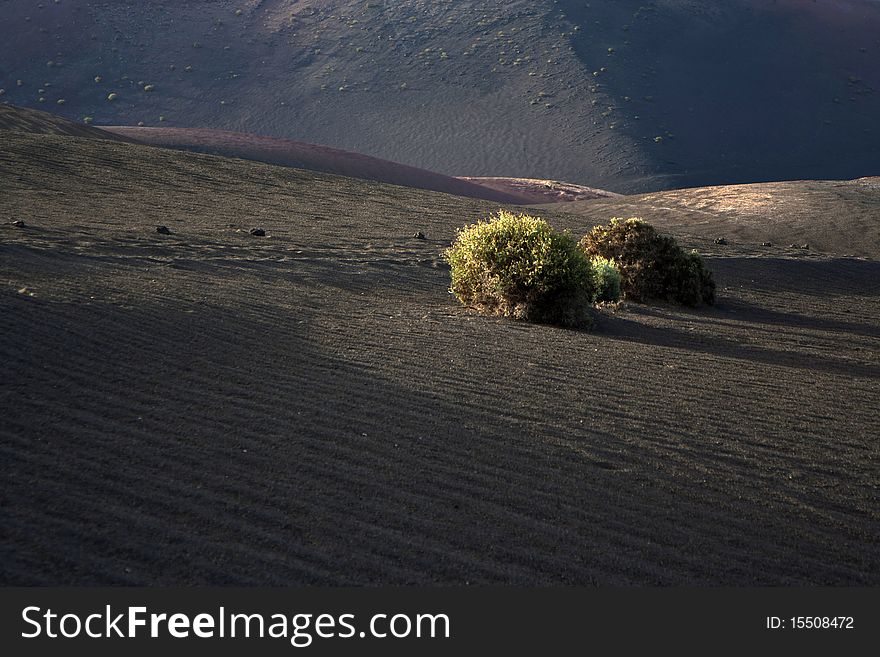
(313, 407)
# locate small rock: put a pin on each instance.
(792, 246)
(18, 223)
(419, 235)
(766, 244)
(804, 246)
(163, 230)
(258, 232)
(721, 241)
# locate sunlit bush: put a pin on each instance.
(651, 265)
(606, 280)
(515, 265)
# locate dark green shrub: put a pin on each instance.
(651, 265)
(517, 266)
(691, 283)
(606, 279)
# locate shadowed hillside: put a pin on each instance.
(290, 153)
(311, 406)
(629, 95)
(330, 160)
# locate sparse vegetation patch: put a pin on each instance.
(606, 280)
(651, 265)
(515, 265)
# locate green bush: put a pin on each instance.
(606, 279)
(695, 282)
(651, 265)
(517, 266)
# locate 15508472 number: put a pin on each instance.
(821, 622)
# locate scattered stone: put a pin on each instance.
(792, 246)
(720, 240)
(18, 223)
(766, 244)
(163, 230)
(258, 232)
(419, 235)
(804, 246)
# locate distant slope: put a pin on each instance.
(19, 119)
(291, 153)
(626, 95)
(835, 217)
(541, 191)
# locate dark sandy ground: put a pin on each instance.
(313, 407)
